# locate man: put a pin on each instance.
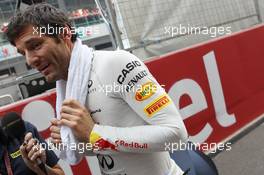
(20, 159)
(126, 114)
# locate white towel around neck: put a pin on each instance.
(76, 87)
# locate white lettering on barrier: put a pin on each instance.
(223, 118)
(39, 113)
(194, 91)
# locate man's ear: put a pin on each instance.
(66, 33)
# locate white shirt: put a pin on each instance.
(133, 121)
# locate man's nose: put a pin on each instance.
(32, 59)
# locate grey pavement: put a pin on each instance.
(246, 156)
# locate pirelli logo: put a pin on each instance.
(157, 105)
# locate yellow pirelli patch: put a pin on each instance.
(157, 105)
(15, 154)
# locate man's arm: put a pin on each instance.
(149, 101)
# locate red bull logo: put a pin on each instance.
(132, 144)
(100, 143)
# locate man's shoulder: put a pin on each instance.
(114, 60)
(111, 56)
(109, 64)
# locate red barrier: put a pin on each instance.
(217, 86)
(220, 84)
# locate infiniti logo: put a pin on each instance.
(90, 83)
(106, 161)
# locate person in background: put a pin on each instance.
(17, 159)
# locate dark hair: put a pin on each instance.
(38, 15)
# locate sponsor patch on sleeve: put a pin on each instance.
(157, 105)
(101, 143)
(15, 154)
(145, 91)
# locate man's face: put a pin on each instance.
(45, 54)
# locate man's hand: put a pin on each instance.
(31, 150)
(55, 133)
(77, 117)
